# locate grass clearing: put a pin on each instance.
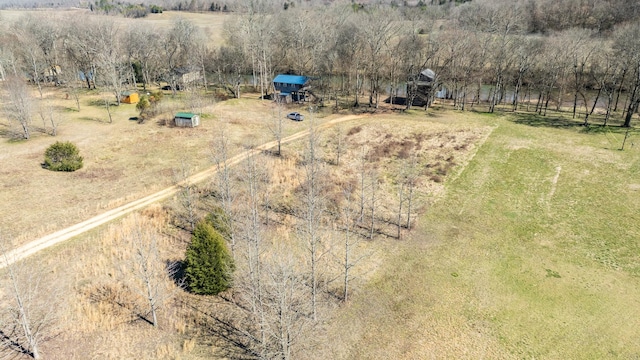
(88, 269)
(529, 249)
(502, 267)
(124, 160)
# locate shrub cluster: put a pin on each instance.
(148, 105)
(62, 156)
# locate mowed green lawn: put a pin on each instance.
(533, 253)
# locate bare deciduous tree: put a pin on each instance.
(351, 238)
(250, 252)
(411, 178)
(378, 28)
(373, 199)
(195, 100)
(29, 315)
(229, 67)
(72, 83)
(19, 106)
(401, 197)
(225, 186)
(338, 143)
(287, 308)
(31, 54)
(256, 36)
(49, 116)
(81, 49)
(110, 58)
(627, 48)
(276, 126)
(527, 51)
(311, 212)
(107, 105)
(142, 44)
(406, 181)
(277, 326)
(149, 273)
(188, 196)
(179, 43)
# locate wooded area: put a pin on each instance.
(581, 55)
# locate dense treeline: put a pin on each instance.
(117, 5)
(482, 50)
(581, 54)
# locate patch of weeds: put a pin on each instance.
(99, 103)
(552, 273)
(462, 146)
(606, 258)
(354, 130)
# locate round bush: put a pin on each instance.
(62, 156)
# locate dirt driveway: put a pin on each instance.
(80, 228)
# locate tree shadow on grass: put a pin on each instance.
(551, 121)
(610, 129)
(176, 271)
(8, 340)
(96, 119)
(616, 134)
(232, 342)
(121, 297)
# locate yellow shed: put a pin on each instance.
(130, 97)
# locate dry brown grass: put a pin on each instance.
(101, 311)
(126, 160)
(123, 160)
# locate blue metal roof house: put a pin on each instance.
(292, 87)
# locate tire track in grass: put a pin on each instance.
(57, 237)
(554, 185)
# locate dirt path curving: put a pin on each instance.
(80, 228)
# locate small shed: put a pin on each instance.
(185, 119)
(130, 97)
(292, 87)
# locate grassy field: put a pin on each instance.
(532, 253)
(88, 273)
(528, 249)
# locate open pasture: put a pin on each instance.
(532, 253)
(123, 160)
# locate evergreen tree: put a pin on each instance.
(220, 221)
(208, 262)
